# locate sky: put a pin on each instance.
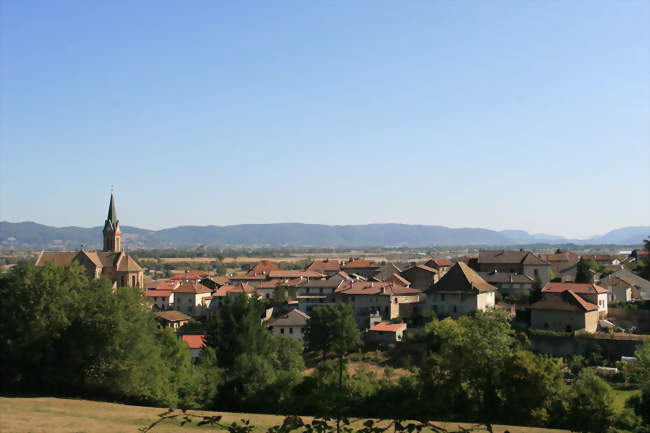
(531, 115)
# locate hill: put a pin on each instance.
(30, 235)
(56, 415)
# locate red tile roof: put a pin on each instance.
(360, 264)
(246, 277)
(385, 288)
(189, 275)
(440, 262)
(191, 287)
(236, 288)
(575, 287)
(194, 341)
(156, 293)
(264, 267)
(388, 327)
(324, 265)
(563, 301)
(295, 274)
(397, 278)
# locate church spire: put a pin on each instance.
(112, 211)
(111, 230)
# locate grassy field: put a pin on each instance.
(56, 415)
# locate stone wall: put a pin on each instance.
(613, 347)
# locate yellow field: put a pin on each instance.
(56, 415)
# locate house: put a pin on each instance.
(560, 261)
(589, 292)
(219, 297)
(514, 285)
(172, 319)
(385, 333)
(327, 266)
(421, 277)
(263, 267)
(640, 286)
(602, 259)
(514, 262)
(291, 324)
(195, 343)
(618, 289)
(191, 297)
(460, 291)
(267, 289)
(111, 263)
(316, 293)
(389, 300)
(365, 268)
(564, 311)
(440, 265)
(160, 294)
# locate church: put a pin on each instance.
(111, 263)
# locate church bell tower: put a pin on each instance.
(111, 230)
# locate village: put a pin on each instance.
(561, 294)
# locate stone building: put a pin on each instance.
(111, 263)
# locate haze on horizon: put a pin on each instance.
(499, 115)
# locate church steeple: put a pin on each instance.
(111, 230)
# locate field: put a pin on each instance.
(56, 415)
(621, 396)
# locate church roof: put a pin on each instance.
(112, 223)
(55, 257)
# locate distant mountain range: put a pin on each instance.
(33, 236)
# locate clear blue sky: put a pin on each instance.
(532, 115)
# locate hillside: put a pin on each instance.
(56, 415)
(29, 235)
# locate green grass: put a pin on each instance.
(621, 396)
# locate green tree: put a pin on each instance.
(65, 334)
(583, 272)
(332, 328)
(259, 368)
(591, 405)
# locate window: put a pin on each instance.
(290, 330)
(320, 290)
(545, 325)
(442, 297)
(281, 330)
(454, 309)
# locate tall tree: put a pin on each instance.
(591, 405)
(332, 328)
(583, 272)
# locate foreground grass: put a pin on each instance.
(56, 415)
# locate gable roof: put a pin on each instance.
(388, 327)
(563, 301)
(382, 288)
(505, 277)
(398, 279)
(462, 279)
(294, 317)
(234, 288)
(55, 257)
(295, 274)
(191, 287)
(324, 265)
(632, 278)
(574, 287)
(508, 256)
(421, 268)
(189, 275)
(360, 264)
(385, 271)
(194, 341)
(439, 263)
(264, 267)
(172, 316)
(156, 293)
